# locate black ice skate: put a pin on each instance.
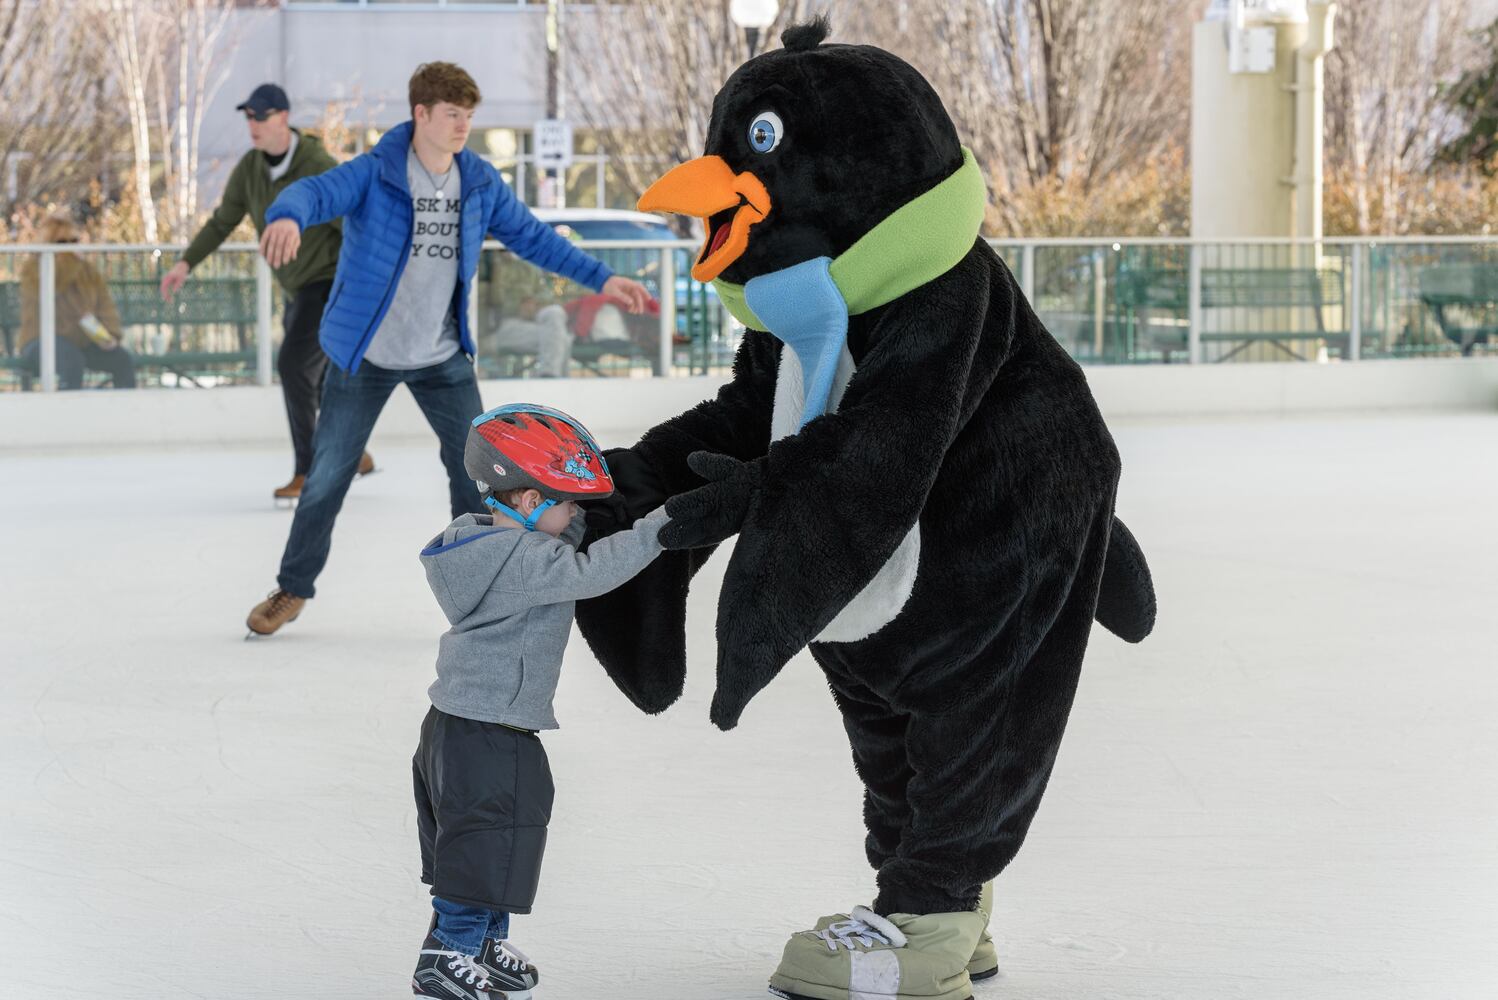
(449, 975)
(510, 972)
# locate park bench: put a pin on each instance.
(1143, 292)
(1262, 291)
(201, 303)
(1463, 298)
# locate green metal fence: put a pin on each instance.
(223, 327)
(1126, 301)
(1162, 301)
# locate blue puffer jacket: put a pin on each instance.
(374, 198)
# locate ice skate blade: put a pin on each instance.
(252, 634)
(286, 503)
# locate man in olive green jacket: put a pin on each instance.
(281, 155)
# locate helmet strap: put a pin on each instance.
(528, 523)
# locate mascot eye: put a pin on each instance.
(766, 132)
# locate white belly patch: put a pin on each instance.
(882, 599)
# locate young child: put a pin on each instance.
(507, 583)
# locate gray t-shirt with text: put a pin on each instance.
(421, 329)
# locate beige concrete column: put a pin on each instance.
(1256, 151)
(1242, 135)
(1310, 99)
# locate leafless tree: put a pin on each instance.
(164, 54)
(1385, 118)
(56, 131)
(643, 77)
(1077, 93)
(135, 36)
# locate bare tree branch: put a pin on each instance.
(1385, 120)
(1047, 92)
(165, 54)
(53, 140)
(647, 102)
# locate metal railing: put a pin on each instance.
(1107, 301)
(222, 328)
(1143, 301)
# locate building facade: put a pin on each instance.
(349, 61)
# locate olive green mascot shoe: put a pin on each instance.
(985, 960)
(863, 956)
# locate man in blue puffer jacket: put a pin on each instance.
(416, 209)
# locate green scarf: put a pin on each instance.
(918, 242)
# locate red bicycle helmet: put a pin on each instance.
(528, 446)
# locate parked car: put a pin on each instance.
(699, 317)
(606, 224)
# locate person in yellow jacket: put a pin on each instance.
(89, 333)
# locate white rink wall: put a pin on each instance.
(255, 416)
(616, 408)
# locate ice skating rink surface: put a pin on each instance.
(1290, 791)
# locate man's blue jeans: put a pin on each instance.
(448, 395)
(463, 928)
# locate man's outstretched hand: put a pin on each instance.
(173, 280)
(280, 242)
(628, 291)
(715, 512)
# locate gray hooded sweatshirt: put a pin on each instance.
(509, 595)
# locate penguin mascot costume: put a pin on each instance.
(921, 485)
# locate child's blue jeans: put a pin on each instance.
(463, 928)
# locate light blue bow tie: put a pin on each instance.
(802, 306)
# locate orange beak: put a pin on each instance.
(705, 187)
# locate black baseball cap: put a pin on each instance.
(267, 97)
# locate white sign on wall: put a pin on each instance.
(553, 138)
(1251, 50)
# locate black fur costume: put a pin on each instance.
(963, 413)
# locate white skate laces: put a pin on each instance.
(466, 969)
(865, 927)
(511, 957)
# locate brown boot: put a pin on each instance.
(273, 612)
(292, 490)
(366, 465)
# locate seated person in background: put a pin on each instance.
(88, 324)
(600, 317)
(539, 330)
